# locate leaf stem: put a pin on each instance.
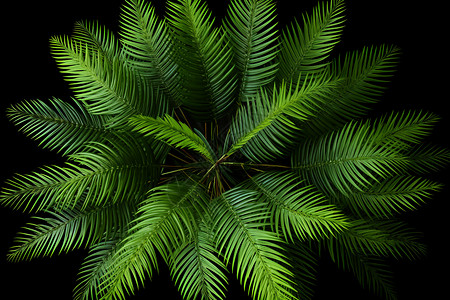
(254, 165)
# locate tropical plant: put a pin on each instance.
(223, 147)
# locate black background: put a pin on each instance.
(420, 30)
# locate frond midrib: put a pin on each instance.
(85, 173)
(248, 54)
(338, 161)
(82, 292)
(198, 50)
(275, 114)
(62, 121)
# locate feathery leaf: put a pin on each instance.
(305, 48)
(253, 38)
(147, 41)
(58, 125)
(171, 132)
(296, 210)
(165, 222)
(204, 58)
(254, 253)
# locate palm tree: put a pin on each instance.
(222, 147)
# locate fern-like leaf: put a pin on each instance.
(94, 268)
(297, 210)
(361, 78)
(305, 48)
(146, 40)
(389, 197)
(264, 128)
(106, 173)
(164, 223)
(254, 253)
(385, 238)
(304, 266)
(106, 87)
(251, 29)
(346, 160)
(197, 269)
(171, 132)
(59, 126)
(66, 230)
(204, 59)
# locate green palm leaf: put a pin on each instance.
(253, 39)
(305, 48)
(146, 40)
(360, 154)
(403, 130)
(389, 197)
(58, 125)
(297, 210)
(264, 128)
(385, 238)
(70, 229)
(96, 38)
(108, 173)
(361, 78)
(196, 268)
(253, 252)
(172, 132)
(164, 223)
(106, 87)
(425, 158)
(304, 264)
(346, 160)
(204, 59)
(94, 268)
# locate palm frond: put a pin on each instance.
(147, 41)
(165, 221)
(403, 130)
(253, 38)
(57, 125)
(106, 87)
(304, 266)
(197, 269)
(294, 209)
(389, 197)
(254, 253)
(94, 268)
(305, 48)
(171, 132)
(64, 231)
(371, 272)
(204, 59)
(349, 159)
(381, 238)
(107, 173)
(361, 78)
(425, 158)
(96, 38)
(263, 129)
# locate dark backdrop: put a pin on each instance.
(421, 81)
